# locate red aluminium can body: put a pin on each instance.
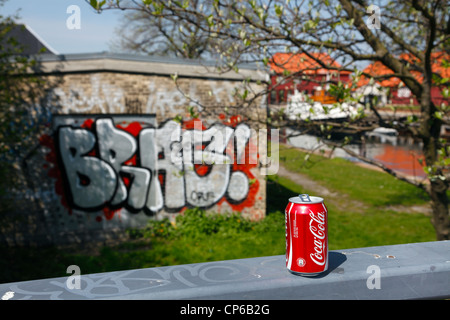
(306, 235)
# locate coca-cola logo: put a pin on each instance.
(318, 230)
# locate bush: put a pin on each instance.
(195, 223)
(154, 229)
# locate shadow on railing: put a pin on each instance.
(408, 271)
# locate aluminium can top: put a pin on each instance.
(305, 199)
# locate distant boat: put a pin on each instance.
(384, 131)
(384, 135)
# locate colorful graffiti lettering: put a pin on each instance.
(100, 163)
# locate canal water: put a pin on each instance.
(396, 152)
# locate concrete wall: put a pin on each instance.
(116, 153)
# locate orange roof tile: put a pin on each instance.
(378, 69)
(302, 63)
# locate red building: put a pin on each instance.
(398, 93)
(290, 72)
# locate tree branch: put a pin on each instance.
(383, 54)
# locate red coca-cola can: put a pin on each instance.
(306, 235)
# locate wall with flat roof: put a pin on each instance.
(135, 138)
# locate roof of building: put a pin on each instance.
(51, 61)
(379, 69)
(31, 42)
(303, 63)
(144, 64)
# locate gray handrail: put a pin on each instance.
(406, 271)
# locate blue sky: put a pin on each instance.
(48, 19)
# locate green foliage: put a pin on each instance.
(196, 223)
(154, 229)
(340, 91)
(18, 112)
(97, 5)
(25, 112)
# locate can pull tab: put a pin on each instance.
(304, 197)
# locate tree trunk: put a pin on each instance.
(439, 204)
(438, 187)
(430, 130)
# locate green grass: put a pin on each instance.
(353, 229)
(199, 237)
(371, 187)
(196, 237)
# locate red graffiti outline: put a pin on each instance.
(233, 121)
(54, 171)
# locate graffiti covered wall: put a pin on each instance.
(113, 163)
(118, 154)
